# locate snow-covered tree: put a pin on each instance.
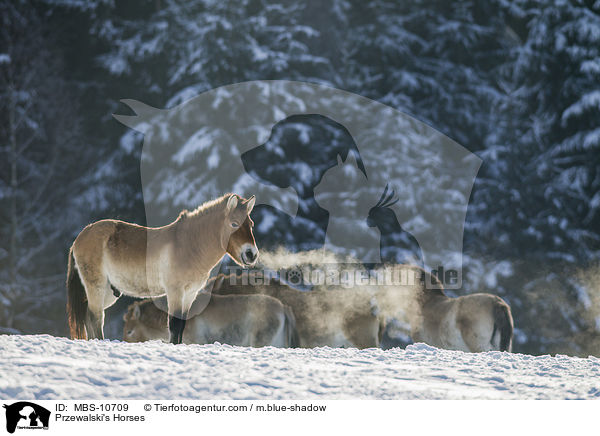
(514, 81)
(38, 170)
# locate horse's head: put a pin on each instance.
(144, 322)
(241, 245)
(381, 212)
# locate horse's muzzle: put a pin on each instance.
(249, 256)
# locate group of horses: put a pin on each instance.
(169, 265)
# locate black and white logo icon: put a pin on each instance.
(26, 415)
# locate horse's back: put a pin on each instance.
(119, 240)
(122, 252)
(93, 238)
(127, 242)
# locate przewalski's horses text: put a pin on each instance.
(174, 260)
(243, 320)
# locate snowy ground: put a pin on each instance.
(45, 367)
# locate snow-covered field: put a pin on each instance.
(46, 367)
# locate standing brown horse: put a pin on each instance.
(175, 260)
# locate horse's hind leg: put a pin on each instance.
(96, 289)
(94, 322)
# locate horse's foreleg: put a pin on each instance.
(177, 319)
(179, 309)
(94, 324)
(176, 326)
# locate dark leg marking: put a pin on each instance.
(176, 326)
(116, 292)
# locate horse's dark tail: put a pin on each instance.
(503, 323)
(76, 301)
(291, 333)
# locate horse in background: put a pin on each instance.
(358, 316)
(472, 323)
(340, 318)
(174, 260)
(475, 322)
(242, 320)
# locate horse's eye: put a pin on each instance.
(235, 225)
(130, 332)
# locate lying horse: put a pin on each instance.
(357, 317)
(244, 320)
(475, 323)
(471, 323)
(111, 257)
(336, 318)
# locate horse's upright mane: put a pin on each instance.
(208, 207)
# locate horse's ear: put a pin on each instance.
(232, 203)
(339, 159)
(250, 204)
(136, 312)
